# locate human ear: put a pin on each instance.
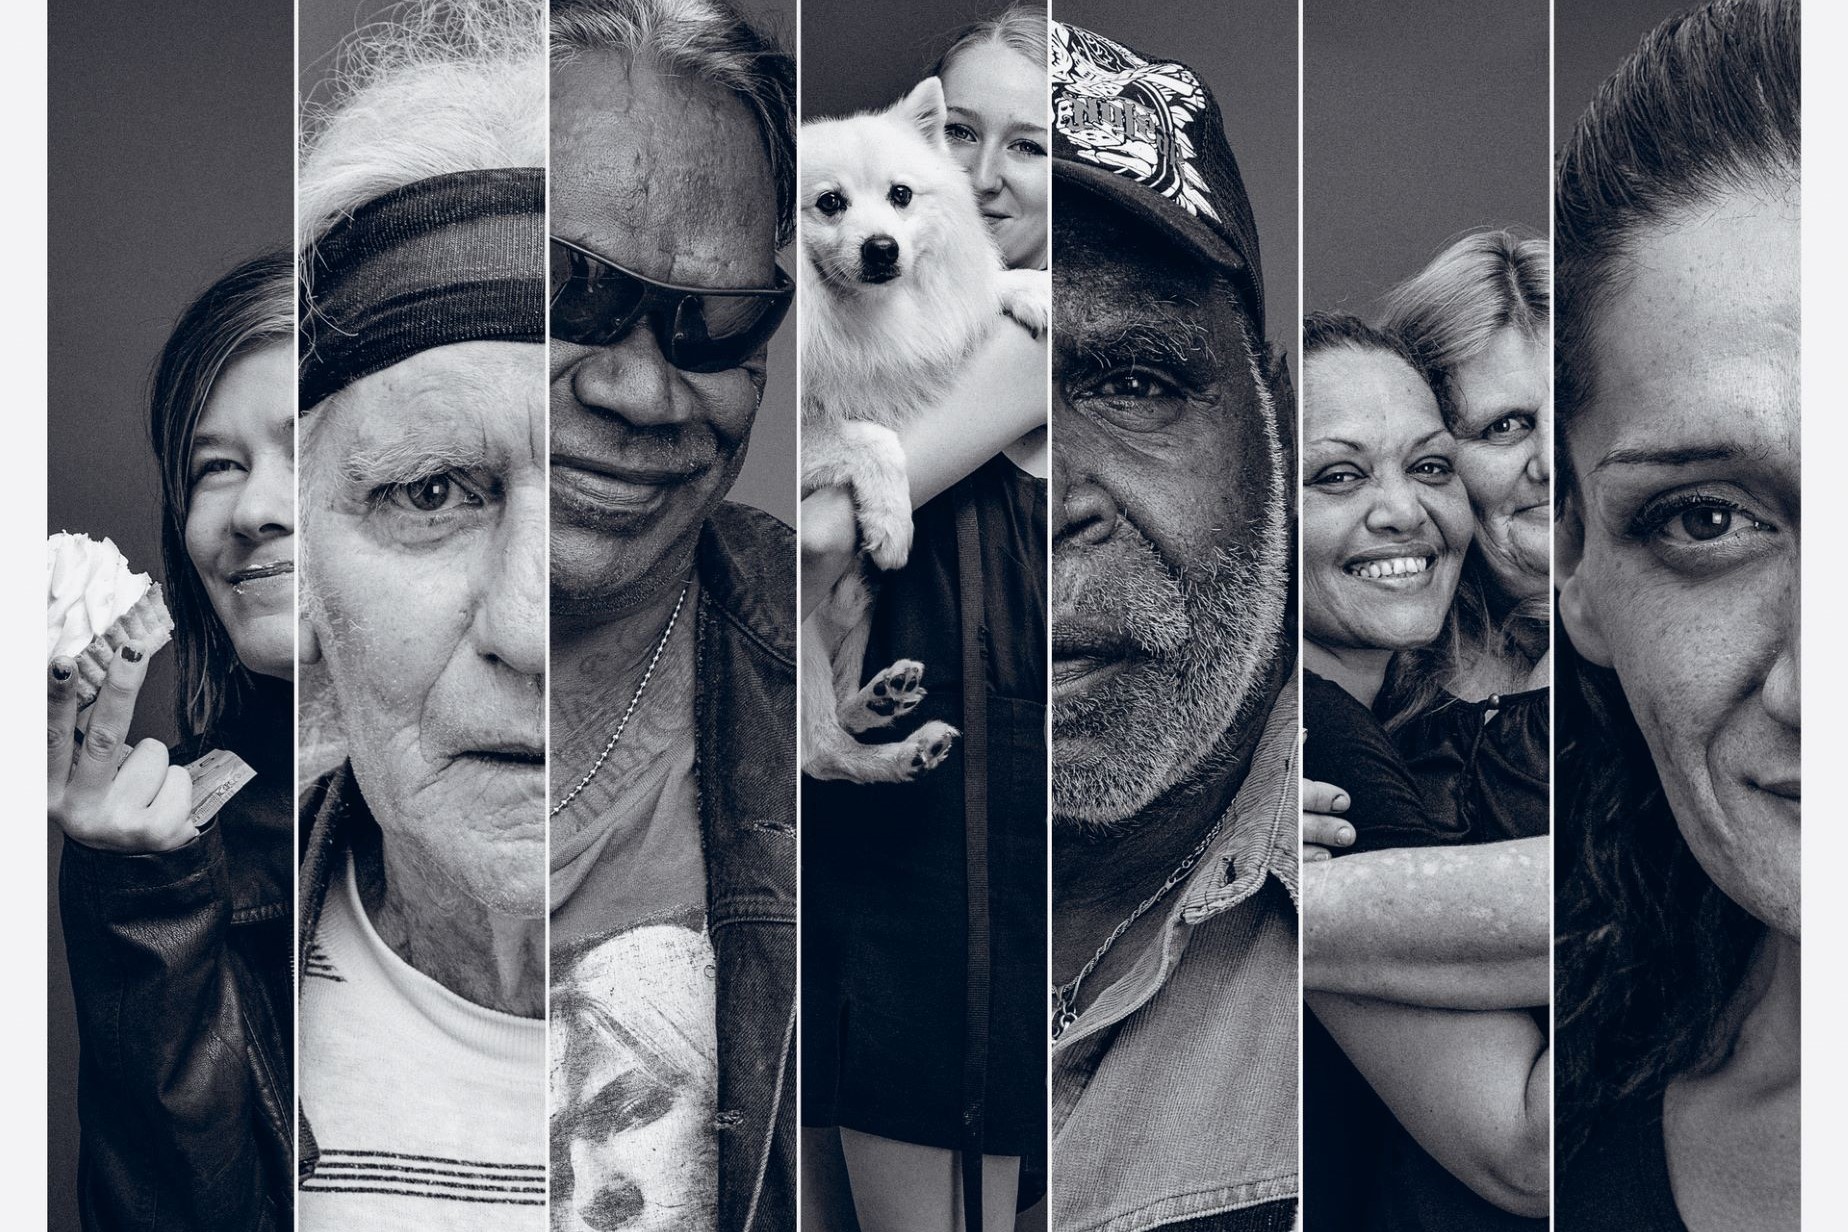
(1576, 611)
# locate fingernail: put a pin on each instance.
(1345, 834)
(1341, 803)
(131, 654)
(1318, 856)
(60, 670)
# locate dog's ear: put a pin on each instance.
(923, 109)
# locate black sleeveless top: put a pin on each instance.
(885, 942)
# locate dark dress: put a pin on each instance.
(1461, 772)
(1618, 1181)
(887, 1014)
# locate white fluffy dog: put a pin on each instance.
(900, 285)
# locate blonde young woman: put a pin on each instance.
(895, 1002)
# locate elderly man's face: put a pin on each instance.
(425, 590)
(1170, 544)
(666, 177)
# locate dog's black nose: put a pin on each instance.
(879, 251)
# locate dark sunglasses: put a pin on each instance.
(595, 302)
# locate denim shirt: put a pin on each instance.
(1174, 1094)
(746, 771)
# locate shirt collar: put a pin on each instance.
(1259, 837)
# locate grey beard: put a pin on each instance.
(1211, 641)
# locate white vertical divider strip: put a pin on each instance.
(796, 242)
(545, 1105)
(1052, 325)
(295, 917)
(1296, 485)
(1552, 682)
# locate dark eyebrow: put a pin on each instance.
(1357, 447)
(1668, 457)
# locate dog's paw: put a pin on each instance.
(892, 694)
(927, 748)
(886, 537)
(1026, 296)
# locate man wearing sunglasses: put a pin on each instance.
(673, 615)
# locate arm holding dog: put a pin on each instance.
(999, 397)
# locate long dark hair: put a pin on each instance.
(1650, 952)
(251, 307)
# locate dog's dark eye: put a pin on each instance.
(899, 196)
(831, 203)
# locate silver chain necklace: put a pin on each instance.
(1065, 996)
(634, 701)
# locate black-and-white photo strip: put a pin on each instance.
(673, 805)
(969, 616)
(420, 207)
(1174, 1010)
(1678, 961)
(171, 618)
(1426, 504)
(922, 243)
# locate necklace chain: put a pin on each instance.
(634, 701)
(1065, 996)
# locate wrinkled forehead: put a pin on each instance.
(663, 173)
(467, 405)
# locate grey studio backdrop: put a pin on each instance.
(1421, 120)
(1245, 52)
(169, 162)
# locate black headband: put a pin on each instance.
(454, 258)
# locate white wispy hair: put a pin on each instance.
(434, 87)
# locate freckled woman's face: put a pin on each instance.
(998, 129)
(1687, 582)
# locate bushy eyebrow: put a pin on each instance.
(415, 455)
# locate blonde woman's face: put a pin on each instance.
(1504, 431)
(999, 130)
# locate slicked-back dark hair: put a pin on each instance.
(1650, 951)
(251, 307)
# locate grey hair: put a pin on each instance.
(434, 87)
(1022, 28)
(707, 41)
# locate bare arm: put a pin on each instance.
(1472, 1088)
(1450, 927)
(999, 397)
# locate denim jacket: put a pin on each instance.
(745, 710)
(1174, 1093)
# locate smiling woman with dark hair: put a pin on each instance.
(187, 927)
(1441, 1118)
(1677, 362)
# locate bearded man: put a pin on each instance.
(1174, 698)
(423, 879)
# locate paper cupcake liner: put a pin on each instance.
(147, 624)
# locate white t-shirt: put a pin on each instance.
(429, 1109)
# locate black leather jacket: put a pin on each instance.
(745, 710)
(180, 969)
